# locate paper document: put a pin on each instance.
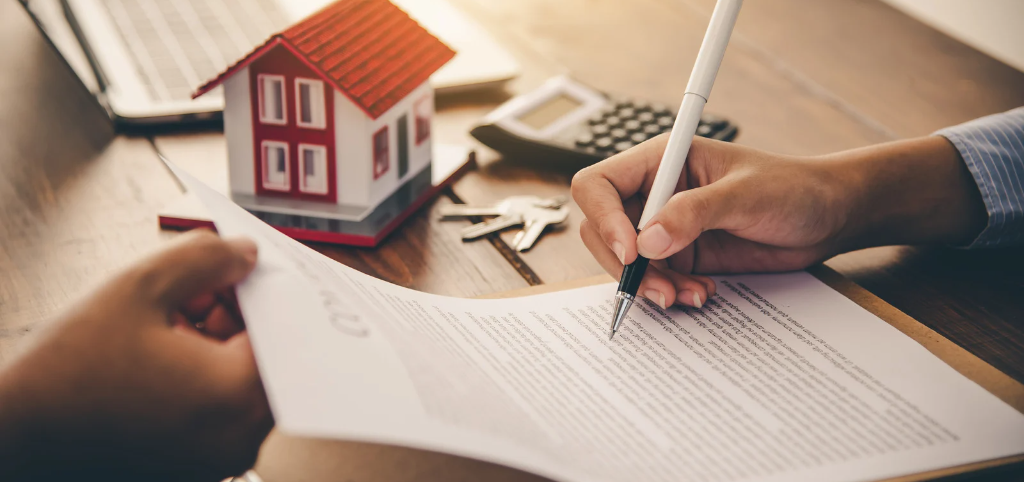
(777, 378)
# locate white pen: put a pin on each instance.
(698, 89)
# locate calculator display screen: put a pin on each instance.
(551, 110)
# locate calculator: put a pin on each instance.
(564, 120)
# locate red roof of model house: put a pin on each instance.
(370, 50)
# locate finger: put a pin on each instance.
(239, 349)
(600, 189)
(655, 286)
(238, 364)
(690, 289)
(601, 252)
(686, 215)
(232, 366)
(229, 299)
(179, 321)
(712, 287)
(658, 286)
(199, 306)
(221, 323)
(197, 263)
(252, 415)
(683, 262)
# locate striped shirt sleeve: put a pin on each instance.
(993, 149)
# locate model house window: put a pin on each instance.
(312, 169)
(272, 101)
(311, 111)
(422, 111)
(380, 152)
(275, 166)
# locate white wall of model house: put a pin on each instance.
(238, 131)
(353, 141)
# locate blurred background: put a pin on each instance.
(991, 26)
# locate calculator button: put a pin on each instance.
(631, 125)
(596, 119)
(584, 140)
(715, 122)
(626, 113)
(704, 130)
(642, 106)
(600, 129)
(613, 121)
(653, 129)
(727, 133)
(665, 121)
(660, 109)
(645, 117)
(619, 134)
(604, 143)
(638, 137)
(623, 103)
(621, 146)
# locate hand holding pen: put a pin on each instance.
(732, 209)
(716, 39)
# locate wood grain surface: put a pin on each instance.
(884, 67)
(78, 200)
(74, 199)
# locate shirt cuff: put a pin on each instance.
(992, 149)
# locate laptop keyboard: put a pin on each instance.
(179, 44)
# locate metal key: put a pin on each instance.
(553, 202)
(508, 206)
(491, 226)
(537, 219)
(509, 213)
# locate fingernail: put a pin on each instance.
(657, 297)
(620, 251)
(247, 247)
(653, 241)
(687, 297)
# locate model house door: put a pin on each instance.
(403, 146)
(293, 134)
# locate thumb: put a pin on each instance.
(239, 359)
(686, 215)
(198, 262)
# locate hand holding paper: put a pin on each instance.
(122, 385)
(778, 377)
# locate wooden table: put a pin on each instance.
(77, 200)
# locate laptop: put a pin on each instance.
(143, 59)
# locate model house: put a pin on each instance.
(333, 115)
